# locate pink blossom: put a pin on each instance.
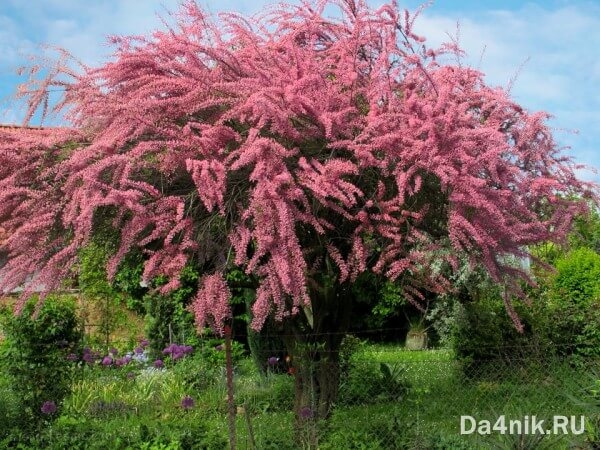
(285, 144)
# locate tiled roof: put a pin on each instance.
(11, 126)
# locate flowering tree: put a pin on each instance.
(303, 149)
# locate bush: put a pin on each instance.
(484, 334)
(367, 382)
(34, 355)
(143, 433)
(9, 413)
(167, 318)
(275, 394)
(574, 303)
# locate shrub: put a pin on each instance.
(167, 318)
(368, 382)
(9, 412)
(484, 334)
(275, 394)
(34, 355)
(183, 433)
(574, 303)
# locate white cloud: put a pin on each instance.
(12, 46)
(561, 74)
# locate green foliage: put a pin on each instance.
(10, 418)
(574, 303)
(348, 348)
(167, 318)
(275, 394)
(92, 280)
(589, 399)
(273, 432)
(586, 231)
(34, 354)
(390, 301)
(92, 271)
(186, 433)
(127, 282)
(578, 277)
(106, 410)
(196, 372)
(485, 334)
(211, 351)
(349, 430)
(371, 382)
(443, 317)
(263, 344)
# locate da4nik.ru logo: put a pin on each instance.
(525, 425)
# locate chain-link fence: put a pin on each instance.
(386, 397)
(391, 398)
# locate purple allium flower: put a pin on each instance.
(107, 361)
(144, 343)
(113, 351)
(187, 349)
(159, 364)
(306, 412)
(138, 350)
(72, 357)
(169, 349)
(49, 407)
(126, 359)
(187, 402)
(273, 360)
(88, 358)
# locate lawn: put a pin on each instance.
(389, 398)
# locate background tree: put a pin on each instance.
(304, 149)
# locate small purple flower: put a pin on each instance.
(72, 357)
(169, 349)
(159, 364)
(273, 360)
(144, 343)
(107, 361)
(49, 407)
(113, 351)
(187, 402)
(138, 350)
(306, 412)
(126, 359)
(88, 357)
(120, 362)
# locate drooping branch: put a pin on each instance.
(275, 142)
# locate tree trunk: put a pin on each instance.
(313, 342)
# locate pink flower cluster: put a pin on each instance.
(287, 144)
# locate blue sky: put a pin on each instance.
(551, 44)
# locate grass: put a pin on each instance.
(147, 408)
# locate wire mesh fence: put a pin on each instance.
(386, 397)
(390, 398)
